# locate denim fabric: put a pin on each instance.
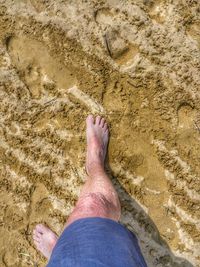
(96, 242)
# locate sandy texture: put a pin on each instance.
(138, 64)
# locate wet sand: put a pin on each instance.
(137, 63)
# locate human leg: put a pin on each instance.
(98, 197)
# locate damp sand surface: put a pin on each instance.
(136, 63)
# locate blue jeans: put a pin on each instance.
(96, 242)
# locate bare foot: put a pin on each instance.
(97, 141)
(44, 239)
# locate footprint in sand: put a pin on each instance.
(40, 71)
(44, 75)
(119, 49)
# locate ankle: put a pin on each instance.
(95, 169)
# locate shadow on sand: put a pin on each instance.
(154, 248)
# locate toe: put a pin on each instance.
(36, 242)
(90, 119)
(36, 233)
(40, 228)
(98, 119)
(38, 245)
(36, 238)
(105, 127)
(102, 122)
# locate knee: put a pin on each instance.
(97, 204)
(93, 201)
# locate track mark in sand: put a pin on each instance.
(8, 102)
(12, 104)
(173, 153)
(36, 165)
(45, 76)
(56, 154)
(45, 147)
(122, 52)
(183, 169)
(189, 244)
(182, 185)
(22, 157)
(184, 173)
(182, 214)
(87, 100)
(41, 72)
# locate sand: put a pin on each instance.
(137, 63)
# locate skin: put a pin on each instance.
(98, 197)
(44, 240)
